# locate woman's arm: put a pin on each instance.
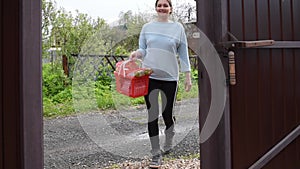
(141, 52)
(183, 52)
(184, 60)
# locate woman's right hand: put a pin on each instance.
(134, 55)
(188, 82)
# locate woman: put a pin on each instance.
(159, 44)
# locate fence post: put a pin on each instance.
(65, 65)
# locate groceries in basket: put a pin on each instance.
(131, 79)
(131, 69)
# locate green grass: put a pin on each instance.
(93, 97)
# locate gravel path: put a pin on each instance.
(101, 139)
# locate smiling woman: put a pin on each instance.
(160, 42)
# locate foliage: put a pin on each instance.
(184, 12)
(54, 80)
(56, 91)
(103, 92)
(68, 34)
(193, 93)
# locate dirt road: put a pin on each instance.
(99, 139)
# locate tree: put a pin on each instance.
(67, 31)
(131, 25)
(185, 12)
(48, 16)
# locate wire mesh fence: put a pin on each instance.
(93, 66)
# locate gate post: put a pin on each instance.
(215, 153)
(21, 128)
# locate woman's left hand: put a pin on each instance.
(188, 82)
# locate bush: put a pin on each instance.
(61, 98)
(54, 79)
(57, 91)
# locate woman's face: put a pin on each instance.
(163, 8)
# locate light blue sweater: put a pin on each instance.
(161, 44)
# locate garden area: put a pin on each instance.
(83, 40)
(79, 57)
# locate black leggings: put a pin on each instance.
(167, 90)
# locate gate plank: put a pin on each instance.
(264, 91)
(236, 93)
(290, 120)
(251, 83)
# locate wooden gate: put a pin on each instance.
(21, 121)
(262, 115)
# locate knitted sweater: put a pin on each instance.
(161, 45)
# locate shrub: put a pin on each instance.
(57, 91)
(54, 79)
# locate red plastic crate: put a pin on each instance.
(132, 86)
